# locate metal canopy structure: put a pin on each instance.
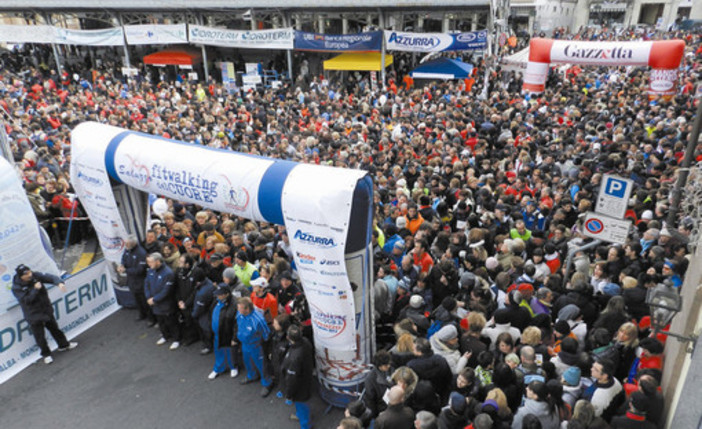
(168, 5)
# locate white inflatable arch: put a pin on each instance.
(327, 213)
(662, 56)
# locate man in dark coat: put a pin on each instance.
(431, 367)
(134, 266)
(204, 296)
(377, 383)
(185, 295)
(397, 415)
(28, 287)
(159, 288)
(581, 296)
(297, 370)
(635, 417)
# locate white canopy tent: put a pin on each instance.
(516, 62)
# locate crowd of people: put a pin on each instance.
(478, 203)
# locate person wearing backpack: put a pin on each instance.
(528, 370)
(444, 315)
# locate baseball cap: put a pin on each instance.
(260, 281)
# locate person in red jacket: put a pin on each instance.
(421, 256)
(264, 301)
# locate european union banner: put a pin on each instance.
(435, 42)
(360, 42)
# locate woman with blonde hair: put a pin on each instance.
(532, 336)
(405, 378)
(584, 417)
(626, 342)
(403, 351)
(497, 398)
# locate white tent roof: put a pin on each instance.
(517, 61)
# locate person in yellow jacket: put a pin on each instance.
(245, 270)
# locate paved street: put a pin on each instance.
(118, 378)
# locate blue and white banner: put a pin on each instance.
(151, 34)
(281, 38)
(20, 237)
(317, 229)
(88, 300)
(103, 37)
(361, 42)
(435, 42)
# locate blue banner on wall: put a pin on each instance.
(435, 42)
(360, 42)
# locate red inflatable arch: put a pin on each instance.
(662, 56)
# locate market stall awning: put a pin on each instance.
(174, 57)
(371, 61)
(442, 68)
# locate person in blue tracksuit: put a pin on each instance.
(223, 325)
(252, 331)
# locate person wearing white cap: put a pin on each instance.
(264, 301)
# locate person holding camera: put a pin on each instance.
(28, 287)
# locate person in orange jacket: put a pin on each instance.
(263, 300)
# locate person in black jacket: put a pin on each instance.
(185, 295)
(431, 367)
(28, 287)
(279, 348)
(581, 295)
(397, 415)
(223, 326)
(297, 370)
(635, 416)
(204, 296)
(134, 266)
(519, 316)
(377, 383)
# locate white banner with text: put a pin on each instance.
(20, 237)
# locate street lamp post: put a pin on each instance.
(664, 303)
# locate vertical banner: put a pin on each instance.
(20, 236)
(317, 231)
(92, 185)
(88, 300)
(228, 76)
(663, 82)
